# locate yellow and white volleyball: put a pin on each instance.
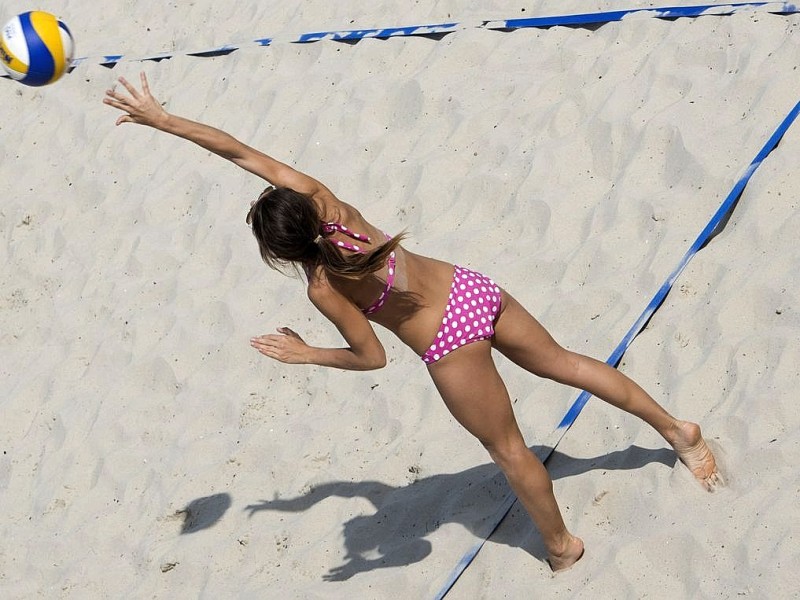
(36, 48)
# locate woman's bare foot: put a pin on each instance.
(572, 553)
(693, 452)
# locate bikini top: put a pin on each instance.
(329, 228)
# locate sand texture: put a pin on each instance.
(149, 452)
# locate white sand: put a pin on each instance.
(574, 166)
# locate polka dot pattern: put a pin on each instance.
(329, 228)
(378, 304)
(472, 307)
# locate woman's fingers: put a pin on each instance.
(121, 101)
(285, 346)
(145, 85)
(131, 90)
(114, 99)
(259, 345)
(270, 341)
(139, 107)
(268, 348)
(259, 341)
(290, 333)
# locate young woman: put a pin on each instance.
(450, 316)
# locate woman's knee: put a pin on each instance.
(510, 454)
(521, 467)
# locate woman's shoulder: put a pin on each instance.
(324, 293)
(329, 204)
(335, 210)
(319, 283)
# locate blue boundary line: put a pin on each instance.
(665, 12)
(711, 229)
(441, 29)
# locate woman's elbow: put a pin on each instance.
(375, 361)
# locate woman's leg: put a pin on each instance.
(476, 396)
(523, 340)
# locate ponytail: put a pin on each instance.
(356, 265)
(289, 230)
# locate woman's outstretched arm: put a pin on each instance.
(364, 352)
(142, 108)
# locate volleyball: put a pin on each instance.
(36, 48)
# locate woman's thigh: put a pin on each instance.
(475, 394)
(523, 340)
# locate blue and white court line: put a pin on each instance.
(441, 29)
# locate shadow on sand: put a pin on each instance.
(395, 534)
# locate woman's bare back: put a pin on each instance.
(413, 310)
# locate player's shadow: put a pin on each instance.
(204, 513)
(395, 534)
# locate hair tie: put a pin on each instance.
(318, 239)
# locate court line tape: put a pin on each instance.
(439, 30)
(714, 227)
(442, 29)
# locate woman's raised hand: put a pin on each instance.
(139, 107)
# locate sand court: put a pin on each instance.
(149, 452)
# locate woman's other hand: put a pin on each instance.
(285, 346)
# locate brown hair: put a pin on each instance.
(289, 231)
